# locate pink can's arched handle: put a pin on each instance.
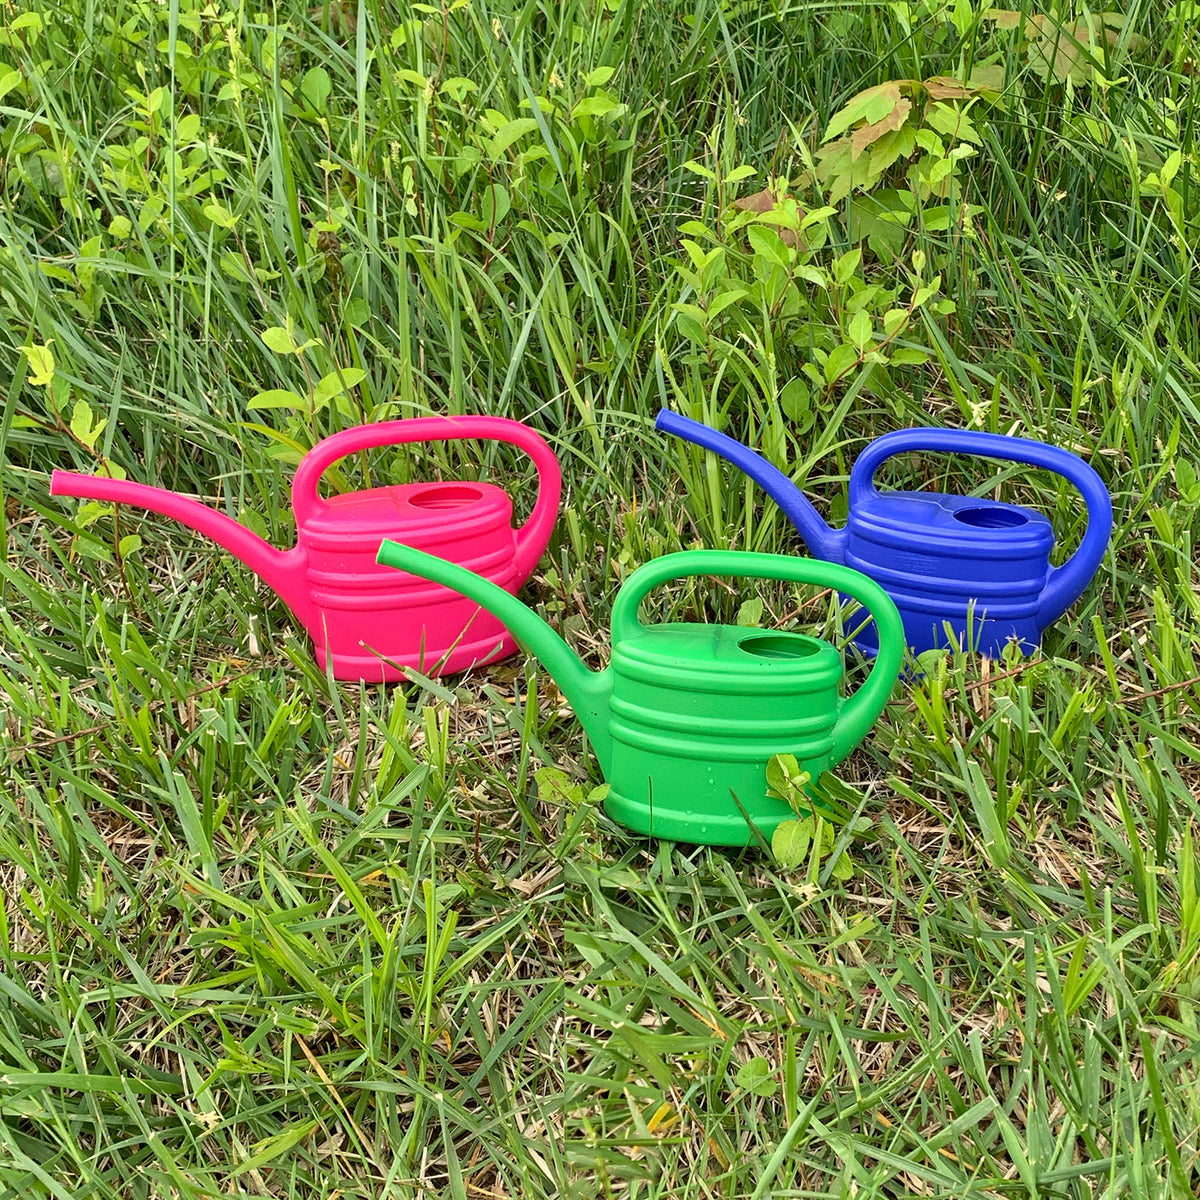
(531, 538)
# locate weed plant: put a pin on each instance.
(267, 935)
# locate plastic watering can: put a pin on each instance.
(365, 620)
(947, 561)
(687, 713)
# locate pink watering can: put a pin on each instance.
(366, 620)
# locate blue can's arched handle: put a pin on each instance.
(1064, 585)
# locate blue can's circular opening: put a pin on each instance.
(991, 516)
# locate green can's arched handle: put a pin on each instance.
(858, 712)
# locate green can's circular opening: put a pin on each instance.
(779, 645)
(990, 516)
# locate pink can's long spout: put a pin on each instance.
(283, 571)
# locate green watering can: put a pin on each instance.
(686, 714)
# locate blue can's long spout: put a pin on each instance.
(822, 541)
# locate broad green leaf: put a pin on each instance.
(601, 105)
(41, 364)
(813, 275)
(599, 76)
(336, 383)
(785, 776)
(8, 81)
(817, 216)
(356, 312)
(767, 244)
(695, 253)
(496, 205)
(278, 398)
(750, 611)
(795, 399)
(31, 21)
(555, 787)
(92, 511)
(218, 214)
(280, 340)
(1185, 477)
(884, 229)
(756, 1077)
(187, 128)
(841, 359)
(456, 87)
(506, 135)
(724, 300)
(129, 545)
(467, 221)
(847, 264)
(81, 423)
(924, 294)
(790, 842)
(859, 329)
(891, 148)
(777, 773)
(951, 121)
(120, 227)
(316, 87)
(89, 547)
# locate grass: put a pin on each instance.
(266, 935)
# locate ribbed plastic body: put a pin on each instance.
(366, 622)
(952, 561)
(373, 619)
(684, 715)
(696, 713)
(961, 570)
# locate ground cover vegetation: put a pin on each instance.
(267, 935)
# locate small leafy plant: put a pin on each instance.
(810, 837)
(929, 122)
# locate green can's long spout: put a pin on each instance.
(587, 691)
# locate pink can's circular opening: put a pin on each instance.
(440, 496)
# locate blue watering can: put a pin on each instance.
(960, 568)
